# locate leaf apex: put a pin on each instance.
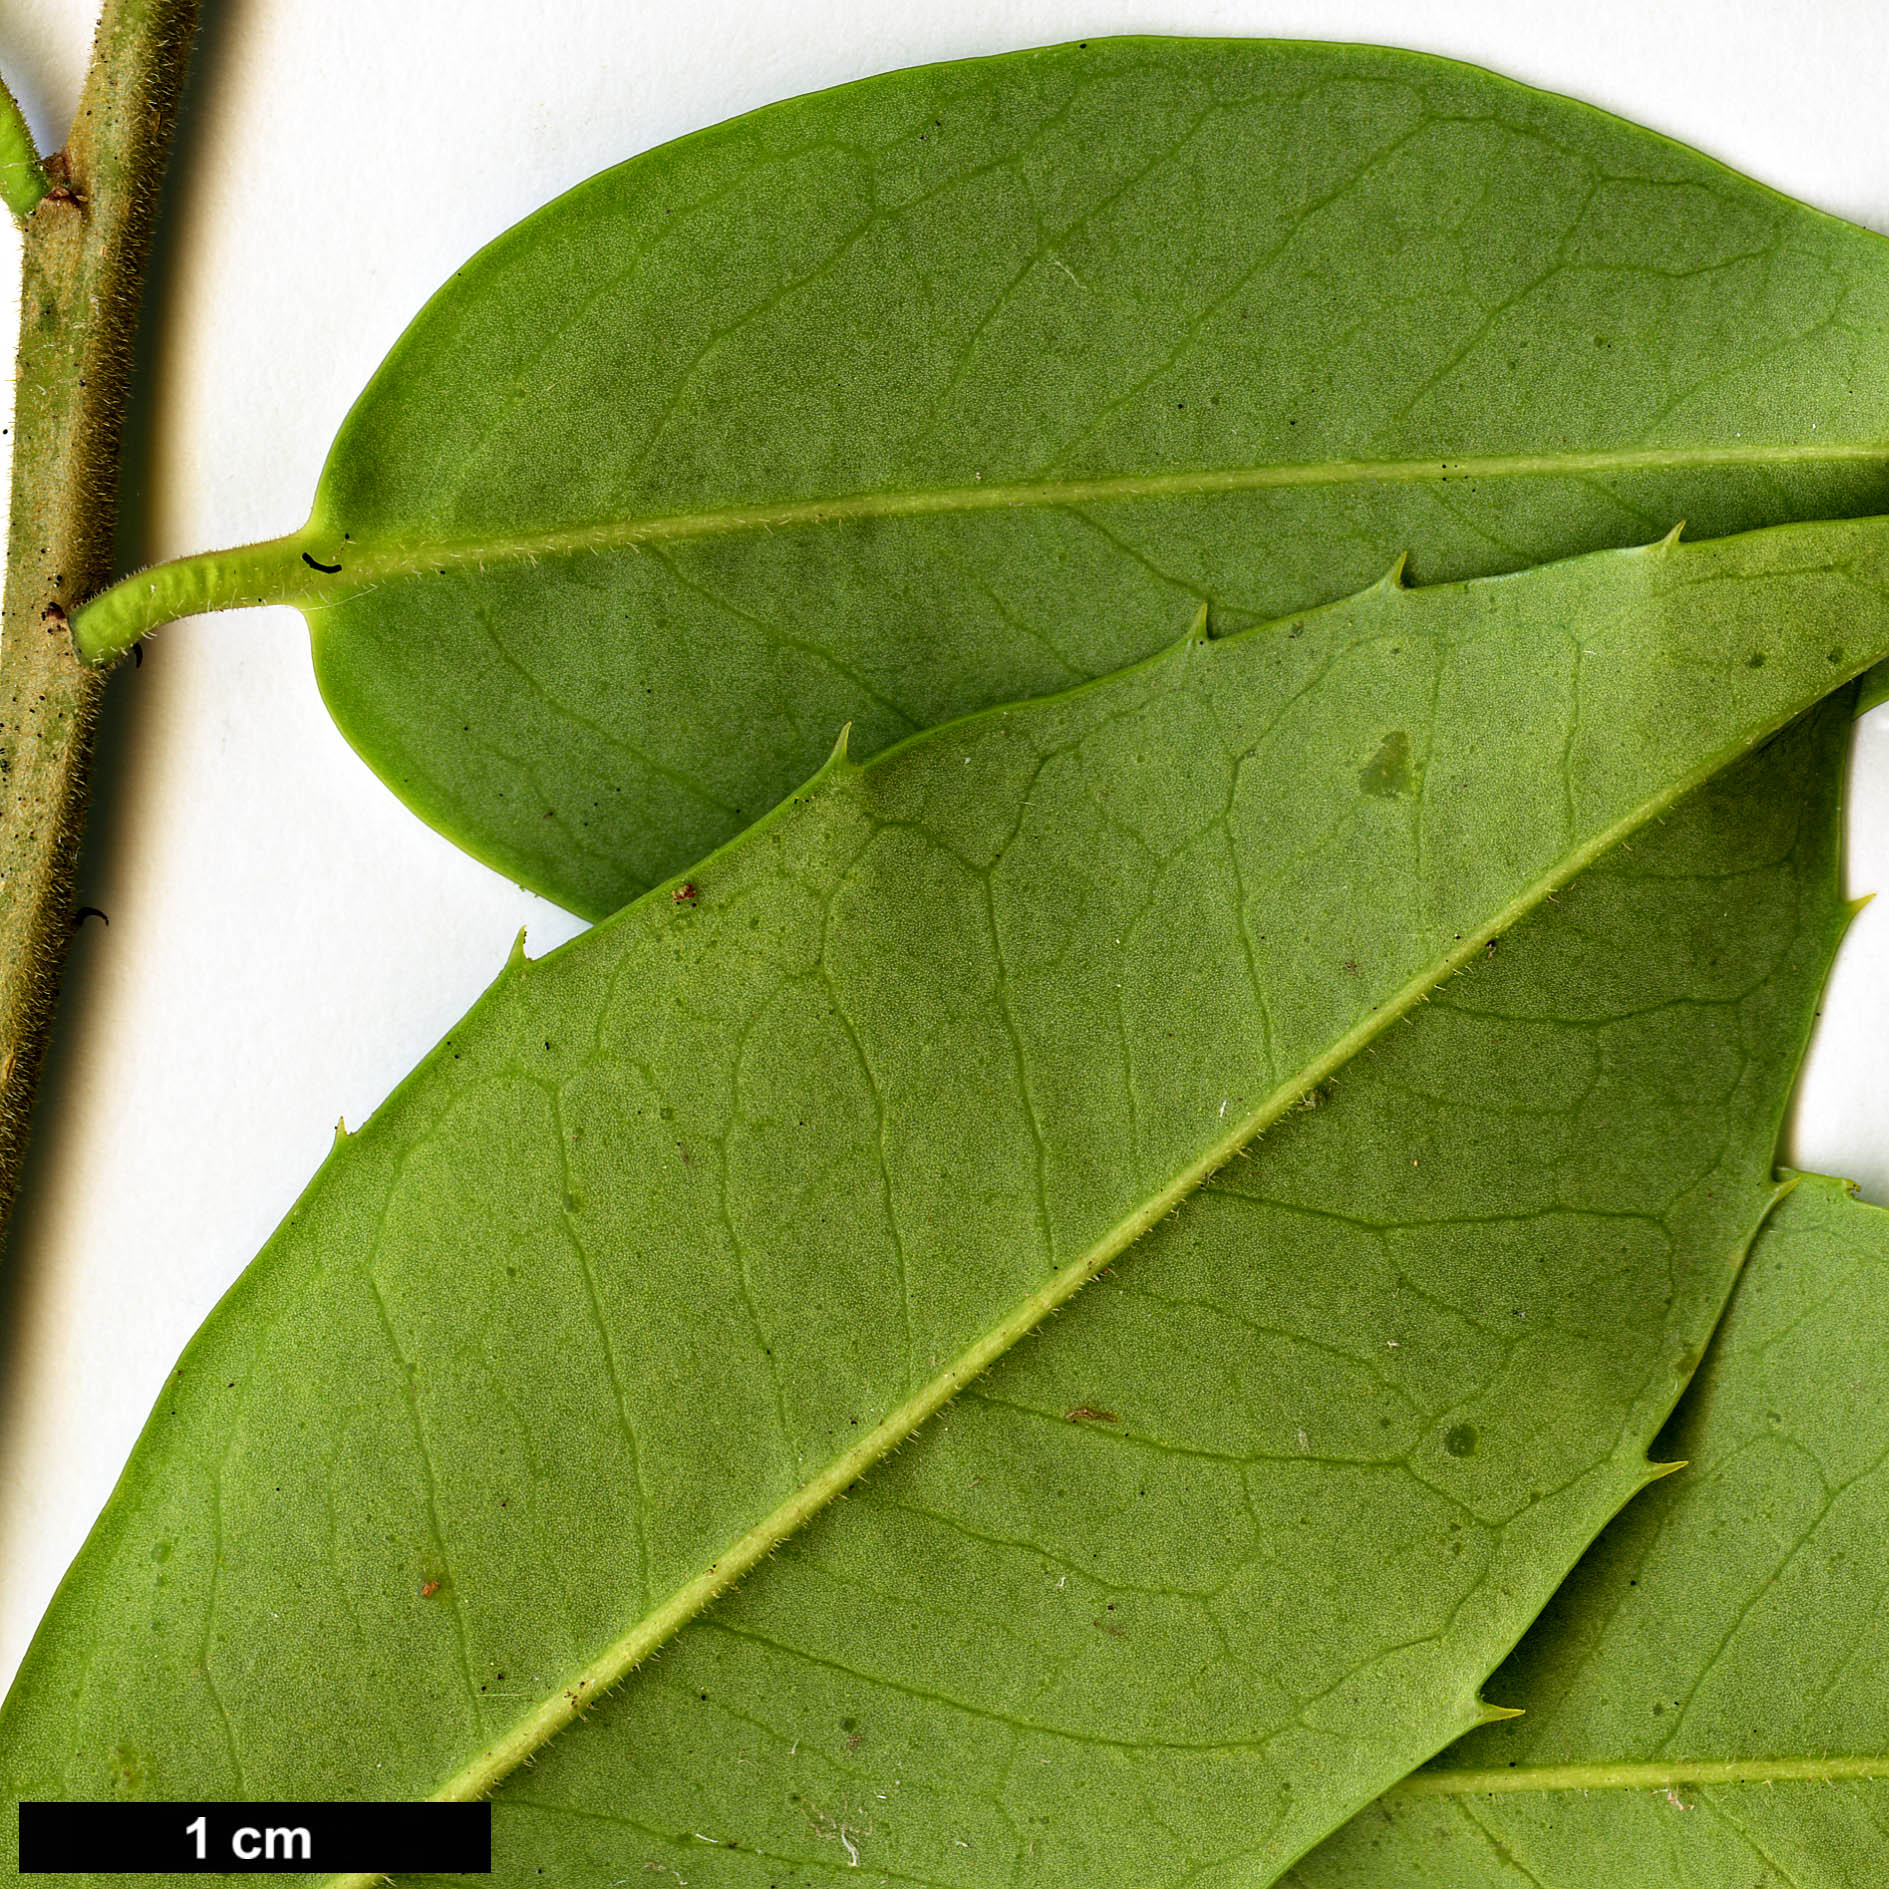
(516, 959)
(1672, 537)
(1394, 578)
(341, 1130)
(1656, 1472)
(1197, 630)
(1489, 1714)
(1851, 907)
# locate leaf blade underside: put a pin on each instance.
(760, 1164)
(960, 385)
(1058, 1640)
(1703, 1701)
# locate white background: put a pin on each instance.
(285, 941)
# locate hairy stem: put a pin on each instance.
(86, 236)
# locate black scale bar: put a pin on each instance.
(255, 1839)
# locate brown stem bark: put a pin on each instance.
(85, 246)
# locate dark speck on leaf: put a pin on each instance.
(1083, 1413)
(327, 569)
(686, 894)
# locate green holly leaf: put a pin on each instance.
(968, 383)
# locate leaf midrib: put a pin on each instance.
(1646, 1775)
(276, 570)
